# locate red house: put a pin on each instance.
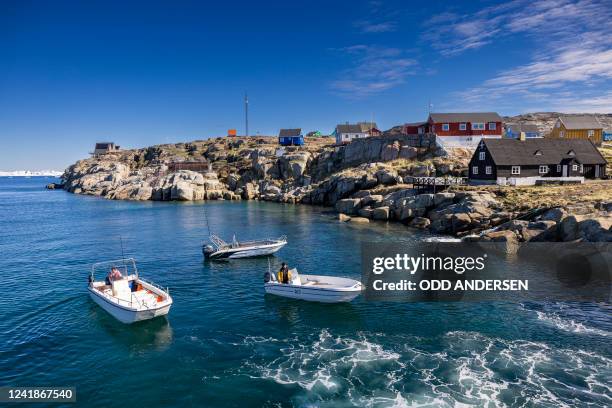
(464, 129)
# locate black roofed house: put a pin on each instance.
(290, 137)
(535, 161)
(104, 147)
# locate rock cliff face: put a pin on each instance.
(368, 179)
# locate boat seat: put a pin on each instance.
(121, 290)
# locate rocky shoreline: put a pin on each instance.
(366, 180)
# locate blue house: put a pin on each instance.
(607, 135)
(290, 137)
(513, 131)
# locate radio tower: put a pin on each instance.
(246, 114)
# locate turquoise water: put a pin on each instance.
(226, 344)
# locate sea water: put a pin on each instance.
(226, 344)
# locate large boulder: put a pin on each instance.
(461, 222)
(424, 200)
(554, 214)
(348, 205)
(390, 152)
(408, 152)
(380, 213)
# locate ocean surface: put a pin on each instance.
(226, 344)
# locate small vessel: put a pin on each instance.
(315, 288)
(125, 295)
(219, 249)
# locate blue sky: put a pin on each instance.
(73, 73)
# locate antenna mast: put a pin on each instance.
(246, 114)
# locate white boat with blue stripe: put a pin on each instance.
(314, 288)
(219, 249)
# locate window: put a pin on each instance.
(474, 169)
(543, 169)
(516, 170)
(445, 127)
(562, 133)
(481, 155)
(478, 126)
(492, 125)
(591, 133)
(575, 167)
(538, 153)
(462, 126)
(558, 168)
(488, 170)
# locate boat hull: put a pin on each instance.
(125, 314)
(334, 290)
(245, 252)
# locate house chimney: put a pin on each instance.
(522, 136)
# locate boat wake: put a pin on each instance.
(569, 325)
(376, 370)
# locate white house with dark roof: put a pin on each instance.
(348, 132)
(104, 147)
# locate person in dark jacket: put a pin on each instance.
(284, 276)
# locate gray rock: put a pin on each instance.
(390, 152)
(348, 205)
(380, 213)
(424, 201)
(460, 222)
(372, 200)
(568, 229)
(365, 212)
(420, 222)
(359, 220)
(554, 214)
(443, 198)
(408, 152)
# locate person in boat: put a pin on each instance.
(113, 275)
(284, 276)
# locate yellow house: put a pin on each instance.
(578, 127)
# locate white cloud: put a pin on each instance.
(373, 70)
(571, 64)
(376, 27)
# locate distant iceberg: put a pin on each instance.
(29, 173)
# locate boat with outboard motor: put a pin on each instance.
(315, 288)
(219, 249)
(126, 296)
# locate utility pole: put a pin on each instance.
(246, 114)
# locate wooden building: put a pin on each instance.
(290, 137)
(578, 127)
(464, 129)
(531, 161)
(104, 147)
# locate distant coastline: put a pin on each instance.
(30, 173)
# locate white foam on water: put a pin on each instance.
(374, 370)
(569, 325)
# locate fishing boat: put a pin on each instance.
(126, 296)
(315, 288)
(219, 249)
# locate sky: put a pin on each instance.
(144, 73)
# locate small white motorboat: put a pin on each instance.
(219, 249)
(315, 288)
(126, 296)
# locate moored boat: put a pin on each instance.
(219, 249)
(315, 288)
(126, 296)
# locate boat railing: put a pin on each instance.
(155, 285)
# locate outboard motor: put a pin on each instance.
(208, 250)
(267, 277)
